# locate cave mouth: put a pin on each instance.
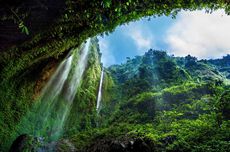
(154, 101)
(21, 21)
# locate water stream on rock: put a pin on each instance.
(100, 91)
(47, 118)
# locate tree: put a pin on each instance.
(224, 105)
(190, 61)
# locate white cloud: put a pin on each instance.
(200, 34)
(142, 37)
(107, 54)
(140, 40)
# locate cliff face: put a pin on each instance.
(83, 113)
(25, 91)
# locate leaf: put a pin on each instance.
(21, 24)
(26, 30)
(23, 29)
(66, 16)
(107, 3)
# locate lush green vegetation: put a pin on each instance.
(82, 113)
(170, 103)
(186, 111)
(140, 91)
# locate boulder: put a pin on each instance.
(21, 143)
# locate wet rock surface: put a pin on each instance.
(122, 145)
(22, 143)
(29, 143)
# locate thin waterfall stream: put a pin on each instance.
(47, 118)
(99, 96)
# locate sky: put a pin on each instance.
(196, 33)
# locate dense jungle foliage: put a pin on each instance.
(170, 104)
(158, 101)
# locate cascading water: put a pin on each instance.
(100, 91)
(48, 116)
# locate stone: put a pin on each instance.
(20, 143)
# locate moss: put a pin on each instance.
(109, 89)
(27, 90)
(15, 102)
(83, 112)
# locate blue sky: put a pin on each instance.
(197, 33)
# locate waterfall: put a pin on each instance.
(47, 118)
(99, 91)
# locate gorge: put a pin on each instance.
(144, 104)
(55, 94)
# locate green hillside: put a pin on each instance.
(164, 102)
(155, 102)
